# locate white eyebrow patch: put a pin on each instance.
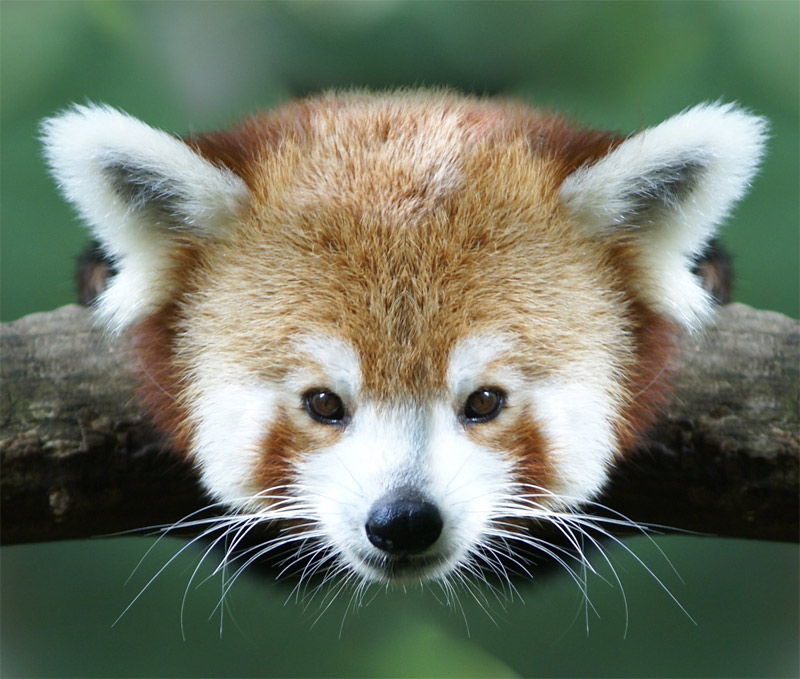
(470, 361)
(333, 360)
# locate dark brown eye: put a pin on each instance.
(324, 406)
(484, 404)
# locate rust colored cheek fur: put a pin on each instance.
(529, 450)
(282, 447)
(648, 381)
(524, 444)
(159, 379)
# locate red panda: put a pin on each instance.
(407, 327)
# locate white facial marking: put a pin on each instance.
(576, 420)
(426, 448)
(470, 361)
(231, 421)
(338, 366)
(391, 447)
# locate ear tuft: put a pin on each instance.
(139, 189)
(667, 189)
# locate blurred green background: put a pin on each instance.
(191, 66)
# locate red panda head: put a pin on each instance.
(407, 325)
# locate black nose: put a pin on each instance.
(403, 523)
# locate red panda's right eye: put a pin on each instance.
(324, 406)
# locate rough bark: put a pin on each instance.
(79, 458)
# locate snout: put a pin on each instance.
(404, 523)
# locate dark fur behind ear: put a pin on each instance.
(664, 188)
(144, 189)
(715, 270)
(94, 270)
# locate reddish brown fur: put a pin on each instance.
(283, 444)
(241, 148)
(523, 440)
(404, 268)
(160, 378)
(529, 448)
(401, 252)
(648, 380)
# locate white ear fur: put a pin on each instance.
(138, 188)
(668, 188)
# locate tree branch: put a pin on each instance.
(79, 459)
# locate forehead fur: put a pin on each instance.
(402, 225)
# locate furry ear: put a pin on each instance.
(141, 190)
(666, 189)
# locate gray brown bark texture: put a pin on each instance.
(79, 458)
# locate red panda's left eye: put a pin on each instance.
(324, 406)
(484, 404)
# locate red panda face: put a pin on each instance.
(411, 326)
